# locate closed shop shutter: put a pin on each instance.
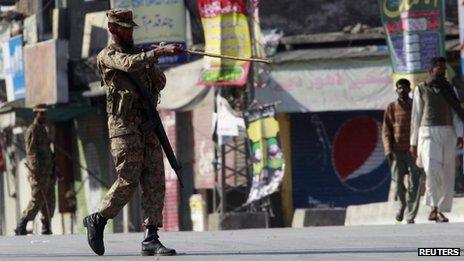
(338, 159)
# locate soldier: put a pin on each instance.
(39, 158)
(138, 158)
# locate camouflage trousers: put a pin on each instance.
(138, 160)
(43, 197)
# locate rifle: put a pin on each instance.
(154, 124)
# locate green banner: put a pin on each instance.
(266, 150)
(415, 34)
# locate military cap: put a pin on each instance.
(122, 17)
(39, 107)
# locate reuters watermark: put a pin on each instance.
(440, 251)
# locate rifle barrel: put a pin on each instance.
(252, 59)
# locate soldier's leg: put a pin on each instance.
(37, 200)
(153, 188)
(153, 183)
(127, 153)
(49, 201)
(48, 207)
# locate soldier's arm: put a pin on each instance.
(128, 62)
(31, 149)
(30, 141)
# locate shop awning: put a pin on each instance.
(182, 91)
(363, 83)
(55, 114)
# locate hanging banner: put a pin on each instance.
(225, 24)
(228, 124)
(266, 151)
(158, 21)
(14, 68)
(415, 34)
(461, 33)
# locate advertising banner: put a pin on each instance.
(266, 151)
(461, 33)
(338, 159)
(415, 34)
(226, 32)
(158, 21)
(14, 68)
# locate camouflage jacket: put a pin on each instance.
(38, 152)
(124, 105)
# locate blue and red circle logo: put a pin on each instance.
(358, 155)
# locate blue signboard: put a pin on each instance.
(15, 68)
(338, 159)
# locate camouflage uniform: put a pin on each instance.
(138, 158)
(39, 160)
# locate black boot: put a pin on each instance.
(46, 228)
(151, 246)
(95, 225)
(21, 227)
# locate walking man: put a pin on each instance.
(435, 129)
(39, 161)
(138, 157)
(396, 135)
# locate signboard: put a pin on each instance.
(461, 33)
(225, 24)
(266, 151)
(159, 21)
(415, 35)
(3, 40)
(330, 85)
(14, 68)
(96, 35)
(46, 70)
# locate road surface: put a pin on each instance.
(395, 242)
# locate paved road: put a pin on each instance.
(395, 242)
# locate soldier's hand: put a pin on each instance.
(171, 49)
(413, 150)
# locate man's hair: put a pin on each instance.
(404, 82)
(436, 60)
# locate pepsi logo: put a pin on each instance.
(358, 155)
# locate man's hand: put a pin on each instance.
(390, 157)
(174, 49)
(413, 151)
(460, 143)
(167, 49)
(171, 49)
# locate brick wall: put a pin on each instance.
(171, 200)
